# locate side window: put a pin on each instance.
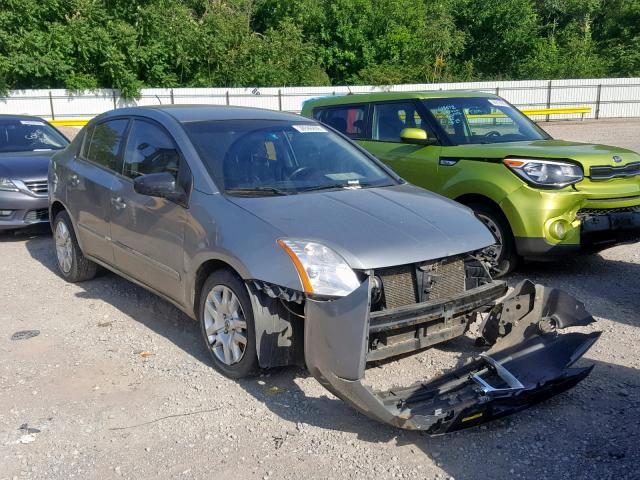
(86, 141)
(389, 119)
(347, 120)
(150, 150)
(104, 146)
(453, 121)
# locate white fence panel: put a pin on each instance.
(608, 97)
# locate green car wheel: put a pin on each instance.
(502, 255)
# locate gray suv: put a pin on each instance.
(293, 246)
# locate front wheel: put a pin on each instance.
(72, 263)
(226, 320)
(501, 256)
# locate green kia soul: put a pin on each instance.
(539, 196)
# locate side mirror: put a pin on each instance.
(415, 136)
(161, 185)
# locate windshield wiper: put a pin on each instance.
(354, 186)
(257, 190)
(345, 186)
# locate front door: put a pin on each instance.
(416, 163)
(147, 232)
(90, 183)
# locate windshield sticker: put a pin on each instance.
(349, 177)
(308, 128)
(32, 122)
(498, 103)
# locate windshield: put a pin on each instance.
(482, 120)
(26, 135)
(250, 157)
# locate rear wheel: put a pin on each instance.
(72, 263)
(502, 256)
(226, 320)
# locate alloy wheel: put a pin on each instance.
(225, 325)
(64, 247)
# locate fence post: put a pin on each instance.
(53, 115)
(226, 96)
(171, 95)
(497, 90)
(548, 98)
(598, 96)
(279, 99)
(113, 96)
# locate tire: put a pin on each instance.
(224, 327)
(505, 259)
(72, 264)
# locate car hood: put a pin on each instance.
(586, 154)
(25, 166)
(375, 227)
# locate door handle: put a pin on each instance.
(118, 203)
(74, 180)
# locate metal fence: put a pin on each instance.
(607, 98)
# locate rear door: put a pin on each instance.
(90, 183)
(349, 120)
(148, 231)
(416, 163)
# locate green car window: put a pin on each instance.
(468, 120)
(389, 119)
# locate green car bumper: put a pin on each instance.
(549, 223)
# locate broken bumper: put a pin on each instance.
(529, 361)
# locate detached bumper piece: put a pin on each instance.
(528, 360)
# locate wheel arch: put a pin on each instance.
(205, 269)
(54, 209)
(279, 335)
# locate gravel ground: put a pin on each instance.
(117, 384)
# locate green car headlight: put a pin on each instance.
(545, 173)
(7, 185)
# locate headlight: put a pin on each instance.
(322, 271)
(7, 185)
(545, 173)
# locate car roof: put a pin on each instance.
(200, 113)
(5, 116)
(386, 96)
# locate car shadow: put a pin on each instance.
(598, 417)
(518, 446)
(20, 235)
(132, 300)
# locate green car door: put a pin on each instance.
(411, 161)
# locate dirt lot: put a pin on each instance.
(118, 384)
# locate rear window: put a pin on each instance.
(349, 120)
(105, 144)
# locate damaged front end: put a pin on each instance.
(528, 360)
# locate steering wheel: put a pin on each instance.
(299, 172)
(493, 133)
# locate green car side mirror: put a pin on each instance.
(415, 136)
